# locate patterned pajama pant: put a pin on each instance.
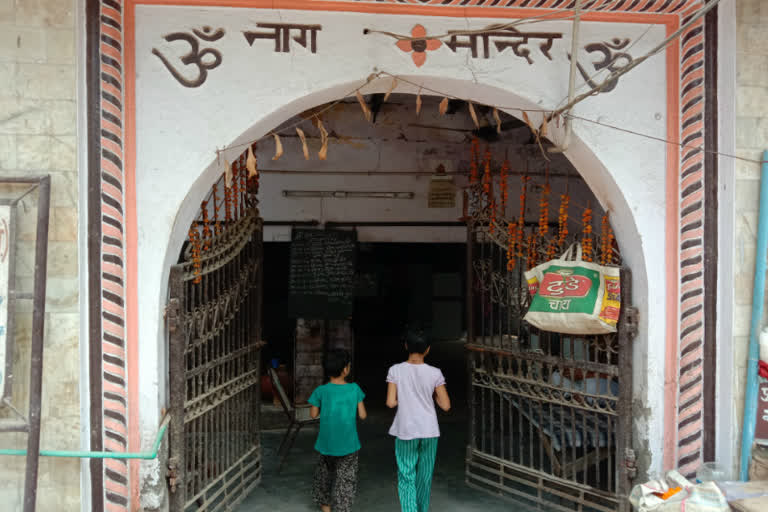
(335, 482)
(415, 465)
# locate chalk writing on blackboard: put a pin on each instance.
(322, 271)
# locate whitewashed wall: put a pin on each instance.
(256, 89)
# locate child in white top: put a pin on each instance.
(414, 387)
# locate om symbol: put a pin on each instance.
(195, 56)
(613, 59)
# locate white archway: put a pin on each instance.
(638, 233)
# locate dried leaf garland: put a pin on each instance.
(444, 106)
(323, 153)
(391, 88)
(498, 120)
(227, 174)
(418, 103)
(473, 114)
(528, 122)
(250, 162)
(304, 146)
(364, 106)
(543, 128)
(278, 147)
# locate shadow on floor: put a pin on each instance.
(290, 491)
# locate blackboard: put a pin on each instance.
(322, 273)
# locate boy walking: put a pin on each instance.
(337, 403)
(414, 387)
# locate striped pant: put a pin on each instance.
(415, 465)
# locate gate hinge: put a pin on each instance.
(171, 314)
(630, 463)
(172, 475)
(631, 321)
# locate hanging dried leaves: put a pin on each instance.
(418, 103)
(364, 106)
(473, 114)
(543, 127)
(250, 162)
(278, 147)
(444, 106)
(391, 88)
(304, 146)
(227, 174)
(323, 153)
(497, 118)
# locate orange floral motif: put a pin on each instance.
(419, 47)
(586, 240)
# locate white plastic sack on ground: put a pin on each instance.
(705, 497)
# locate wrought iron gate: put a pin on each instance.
(550, 415)
(214, 319)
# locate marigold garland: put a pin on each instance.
(586, 240)
(487, 178)
(492, 223)
(197, 265)
(531, 259)
(606, 241)
(474, 155)
(544, 210)
(562, 221)
(503, 185)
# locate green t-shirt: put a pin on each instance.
(338, 418)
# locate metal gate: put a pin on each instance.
(550, 415)
(214, 319)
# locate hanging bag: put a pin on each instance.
(572, 296)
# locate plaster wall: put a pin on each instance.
(38, 136)
(751, 140)
(255, 89)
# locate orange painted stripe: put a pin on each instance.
(671, 251)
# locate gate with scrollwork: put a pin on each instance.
(550, 414)
(214, 319)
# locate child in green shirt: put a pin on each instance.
(337, 404)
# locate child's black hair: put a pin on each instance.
(416, 342)
(335, 361)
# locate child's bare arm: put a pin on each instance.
(442, 399)
(391, 395)
(361, 411)
(314, 412)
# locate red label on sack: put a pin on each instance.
(612, 286)
(559, 286)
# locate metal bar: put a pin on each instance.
(177, 386)
(551, 360)
(38, 334)
(624, 427)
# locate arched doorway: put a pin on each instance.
(564, 178)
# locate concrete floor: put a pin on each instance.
(290, 491)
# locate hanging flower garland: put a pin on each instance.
(562, 221)
(492, 222)
(197, 265)
(606, 241)
(503, 185)
(473, 158)
(531, 258)
(511, 241)
(487, 178)
(586, 240)
(544, 210)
